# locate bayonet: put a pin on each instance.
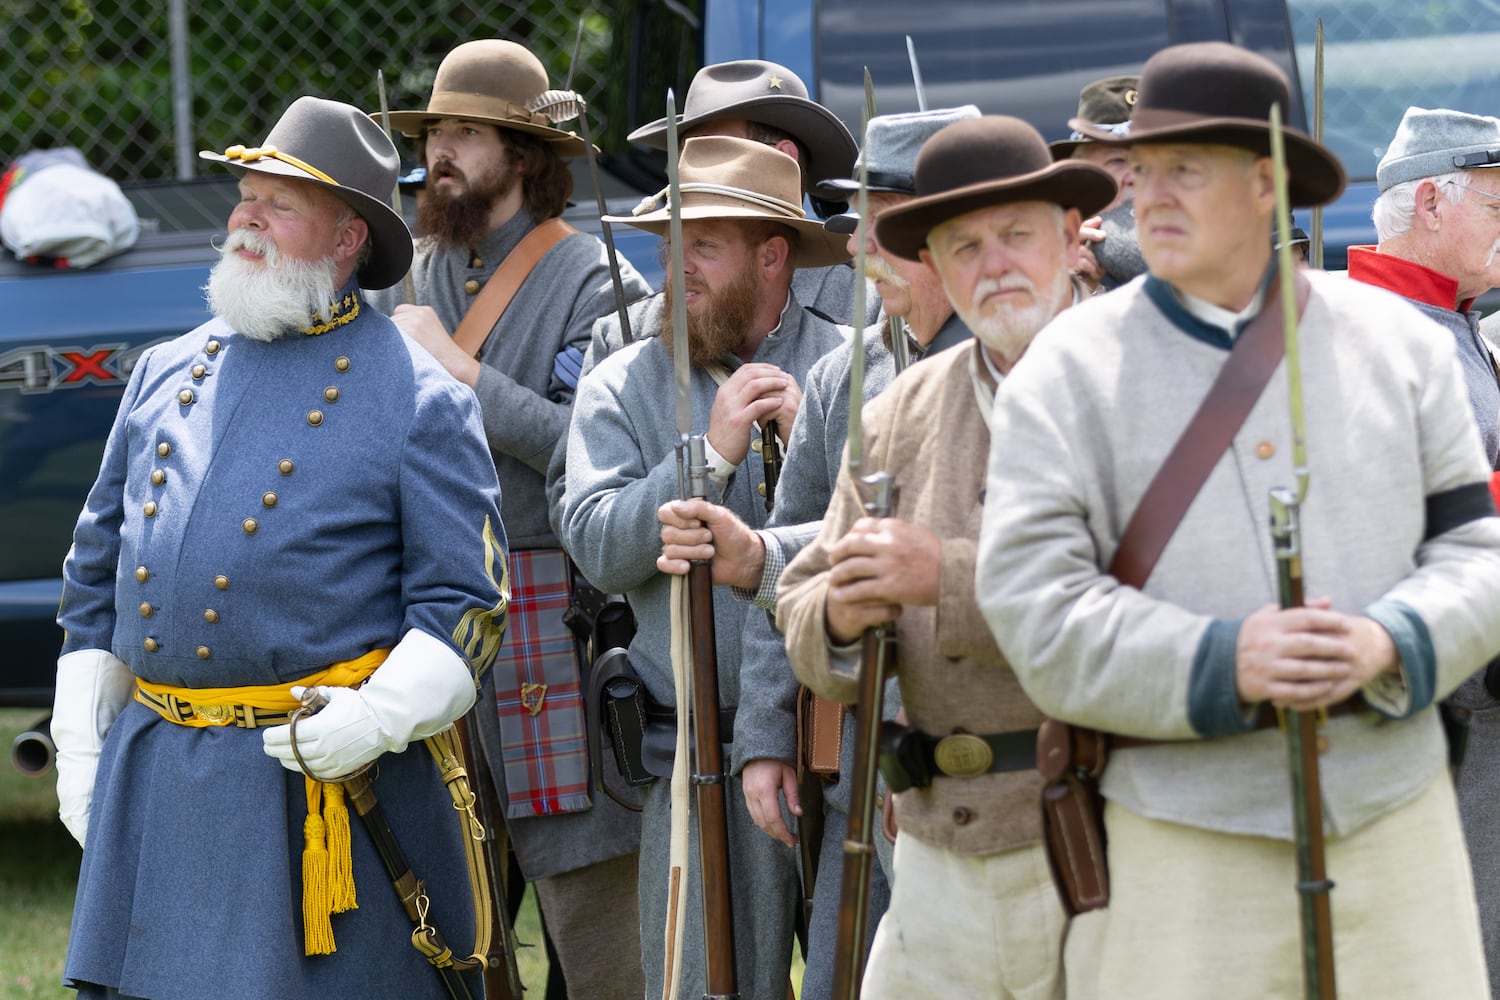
(916, 74)
(1315, 227)
(408, 283)
(1313, 885)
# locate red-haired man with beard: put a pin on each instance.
(497, 182)
(743, 233)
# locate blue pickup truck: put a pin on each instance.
(68, 339)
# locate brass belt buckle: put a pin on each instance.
(214, 715)
(963, 755)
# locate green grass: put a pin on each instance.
(39, 875)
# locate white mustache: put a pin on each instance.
(1010, 283)
(255, 242)
(877, 268)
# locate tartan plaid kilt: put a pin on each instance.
(539, 696)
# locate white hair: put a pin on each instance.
(280, 295)
(1396, 207)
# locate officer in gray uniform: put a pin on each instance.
(293, 496)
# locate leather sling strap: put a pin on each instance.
(1256, 353)
(493, 299)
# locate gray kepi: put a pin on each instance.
(728, 178)
(340, 149)
(1438, 141)
(890, 157)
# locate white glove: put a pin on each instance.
(416, 693)
(93, 688)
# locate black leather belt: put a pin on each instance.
(666, 715)
(968, 755)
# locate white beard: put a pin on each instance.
(1010, 331)
(270, 298)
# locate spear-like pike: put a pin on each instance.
(1315, 227)
(408, 283)
(692, 606)
(1313, 886)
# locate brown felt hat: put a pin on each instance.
(1214, 93)
(993, 160)
(727, 178)
(769, 94)
(494, 81)
(342, 150)
(1103, 102)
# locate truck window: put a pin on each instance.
(1009, 57)
(1382, 56)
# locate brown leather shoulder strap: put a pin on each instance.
(1256, 353)
(495, 296)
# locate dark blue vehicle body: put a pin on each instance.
(68, 338)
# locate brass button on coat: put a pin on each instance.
(212, 347)
(1265, 449)
(250, 525)
(331, 393)
(185, 397)
(269, 499)
(755, 445)
(761, 489)
(151, 645)
(286, 466)
(146, 609)
(150, 509)
(199, 371)
(158, 477)
(471, 286)
(210, 615)
(963, 815)
(315, 417)
(164, 449)
(222, 582)
(204, 652)
(476, 262)
(341, 364)
(142, 574)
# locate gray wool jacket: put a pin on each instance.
(524, 394)
(621, 466)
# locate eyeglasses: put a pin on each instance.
(1493, 202)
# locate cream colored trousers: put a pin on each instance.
(1194, 913)
(988, 927)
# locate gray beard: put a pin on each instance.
(272, 298)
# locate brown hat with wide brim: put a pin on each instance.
(993, 160)
(494, 81)
(769, 94)
(1214, 93)
(728, 178)
(339, 148)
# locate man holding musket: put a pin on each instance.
(750, 340)
(497, 184)
(999, 222)
(1400, 551)
(294, 499)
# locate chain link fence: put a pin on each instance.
(141, 87)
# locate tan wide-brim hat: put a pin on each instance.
(1214, 93)
(492, 81)
(982, 162)
(727, 178)
(769, 94)
(339, 148)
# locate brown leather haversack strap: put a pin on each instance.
(494, 298)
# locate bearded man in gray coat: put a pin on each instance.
(1400, 549)
(751, 342)
(497, 181)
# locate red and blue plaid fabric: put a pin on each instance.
(543, 742)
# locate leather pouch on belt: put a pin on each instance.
(1071, 759)
(820, 732)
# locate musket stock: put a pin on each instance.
(708, 775)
